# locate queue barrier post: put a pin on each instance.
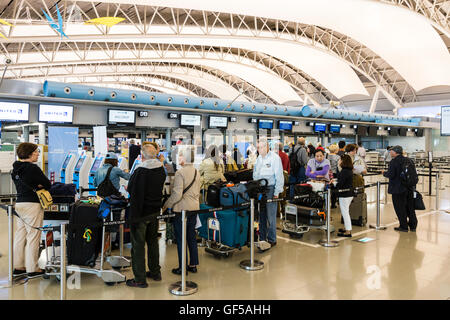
(378, 226)
(327, 242)
(63, 263)
(437, 190)
(252, 264)
(11, 245)
(183, 287)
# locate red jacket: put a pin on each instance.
(285, 161)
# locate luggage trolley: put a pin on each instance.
(110, 277)
(299, 219)
(218, 249)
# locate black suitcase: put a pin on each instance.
(358, 210)
(239, 175)
(84, 242)
(306, 216)
(314, 200)
(213, 194)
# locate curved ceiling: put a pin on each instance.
(399, 36)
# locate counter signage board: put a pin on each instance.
(445, 121)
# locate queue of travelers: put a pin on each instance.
(337, 165)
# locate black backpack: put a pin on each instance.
(408, 173)
(293, 161)
(106, 188)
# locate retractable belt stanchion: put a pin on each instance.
(378, 226)
(252, 264)
(183, 287)
(437, 190)
(327, 242)
(63, 264)
(11, 245)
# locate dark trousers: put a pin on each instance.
(144, 233)
(191, 239)
(298, 178)
(404, 208)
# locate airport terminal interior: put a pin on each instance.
(87, 83)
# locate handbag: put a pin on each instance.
(45, 198)
(418, 201)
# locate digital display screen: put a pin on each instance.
(233, 119)
(285, 125)
(320, 127)
(265, 124)
(66, 161)
(190, 120)
(445, 121)
(96, 165)
(218, 122)
(373, 131)
(79, 164)
(55, 114)
(335, 128)
(173, 115)
(14, 112)
(362, 131)
(121, 116)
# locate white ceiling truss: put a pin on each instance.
(159, 30)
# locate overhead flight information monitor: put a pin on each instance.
(335, 128)
(121, 117)
(55, 113)
(320, 127)
(265, 124)
(218, 122)
(14, 112)
(285, 125)
(445, 121)
(190, 120)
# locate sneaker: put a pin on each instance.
(401, 229)
(272, 244)
(37, 274)
(412, 230)
(156, 277)
(133, 283)
(345, 235)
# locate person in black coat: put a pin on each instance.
(28, 177)
(402, 197)
(345, 181)
(133, 153)
(145, 188)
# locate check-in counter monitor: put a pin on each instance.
(96, 164)
(67, 168)
(81, 172)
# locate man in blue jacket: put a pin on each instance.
(402, 197)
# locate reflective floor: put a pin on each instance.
(392, 266)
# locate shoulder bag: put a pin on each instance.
(45, 198)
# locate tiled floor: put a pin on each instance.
(393, 266)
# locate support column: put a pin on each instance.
(41, 133)
(143, 136)
(282, 137)
(168, 140)
(26, 133)
(373, 105)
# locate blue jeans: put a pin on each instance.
(268, 220)
(300, 177)
(191, 239)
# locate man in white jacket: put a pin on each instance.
(268, 166)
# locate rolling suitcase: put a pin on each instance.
(313, 201)
(230, 196)
(231, 229)
(301, 215)
(239, 175)
(358, 210)
(84, 241)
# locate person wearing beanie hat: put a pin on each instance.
(111, 160)
(402, 197)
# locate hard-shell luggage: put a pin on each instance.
(358, 210)
(230, 196)
(84, 241)
(229, 227)
(63, 193)
(239, 175)
(305, 216)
